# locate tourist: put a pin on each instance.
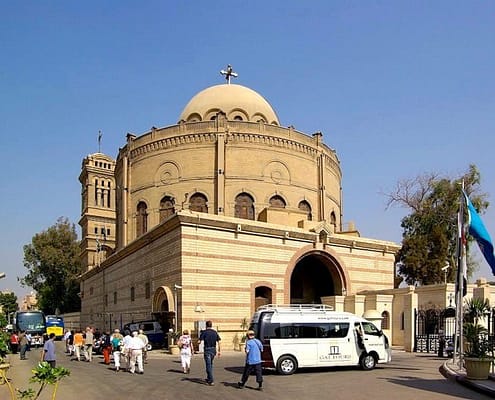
(253, 351)
(116, 341)
(136, 353)
(186, 351)
(210, 339)
(23, 344)
(66, 340)
(107, 347)
(126, 348)
(88, 342)
(14, 342)
(144, 338)
(78, 344)
(48, 353)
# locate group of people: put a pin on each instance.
(130, 349)
(210, 340)
(20, 342)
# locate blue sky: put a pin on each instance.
(398, 88)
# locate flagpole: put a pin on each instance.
(461, 270)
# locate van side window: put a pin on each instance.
(308, 330)
(338, 330)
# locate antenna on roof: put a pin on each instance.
(100, 135)
(229, 73)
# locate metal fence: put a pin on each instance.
(434, 328)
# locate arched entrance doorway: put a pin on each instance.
(316, 275)
(163, 308)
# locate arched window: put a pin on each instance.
(167, 207)
(304, 206)
(96, 192)
(277, 202)
(141, 218)
(197, 202)
(262, 296)
(333, 221)
(385, 320)
(244, 206)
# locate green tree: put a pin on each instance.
(429, 238)
(52, 259)
(8, 302)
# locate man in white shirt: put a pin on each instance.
(136, 346)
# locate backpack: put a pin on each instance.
(116, 343)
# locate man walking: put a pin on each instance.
(88, 341)
(23, 344)
(48, 354)
(253, 361)
(136, 348)
(210, 340)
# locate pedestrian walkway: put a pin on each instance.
(19, 372)
(452, 371)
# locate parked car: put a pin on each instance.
(152, 329)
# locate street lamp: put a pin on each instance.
(445, 271)
(2, 275)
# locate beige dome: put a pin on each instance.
(236, 101)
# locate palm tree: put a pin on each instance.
(477, 344)
(476, 309)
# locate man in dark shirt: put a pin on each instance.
(210, 340)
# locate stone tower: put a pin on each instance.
(98, 209)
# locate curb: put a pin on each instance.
(484, 387)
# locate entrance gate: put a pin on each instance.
(431, 327)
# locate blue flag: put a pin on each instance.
(478, 231)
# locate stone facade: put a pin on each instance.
(218, 214)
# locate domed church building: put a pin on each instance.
(224, 211)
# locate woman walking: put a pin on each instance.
(186, 351)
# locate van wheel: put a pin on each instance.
(367, 362)
(149, 347)
(286, 365)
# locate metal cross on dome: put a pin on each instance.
(229, 73)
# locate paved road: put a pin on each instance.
(408, 377)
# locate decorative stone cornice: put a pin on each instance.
(206, 132)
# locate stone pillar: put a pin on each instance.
(355, 304)
(220, 175)
(337, 302)
(410, 304)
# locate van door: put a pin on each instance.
(373, 340)
(336, 346)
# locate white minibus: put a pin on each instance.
(313, 335)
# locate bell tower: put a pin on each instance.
(98, 209)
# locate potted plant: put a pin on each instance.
(478, 352)
(173, 347)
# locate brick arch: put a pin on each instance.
(256, 284)
(333, 263)
(163, 293)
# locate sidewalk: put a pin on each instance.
(20, 372)
(452, 371)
